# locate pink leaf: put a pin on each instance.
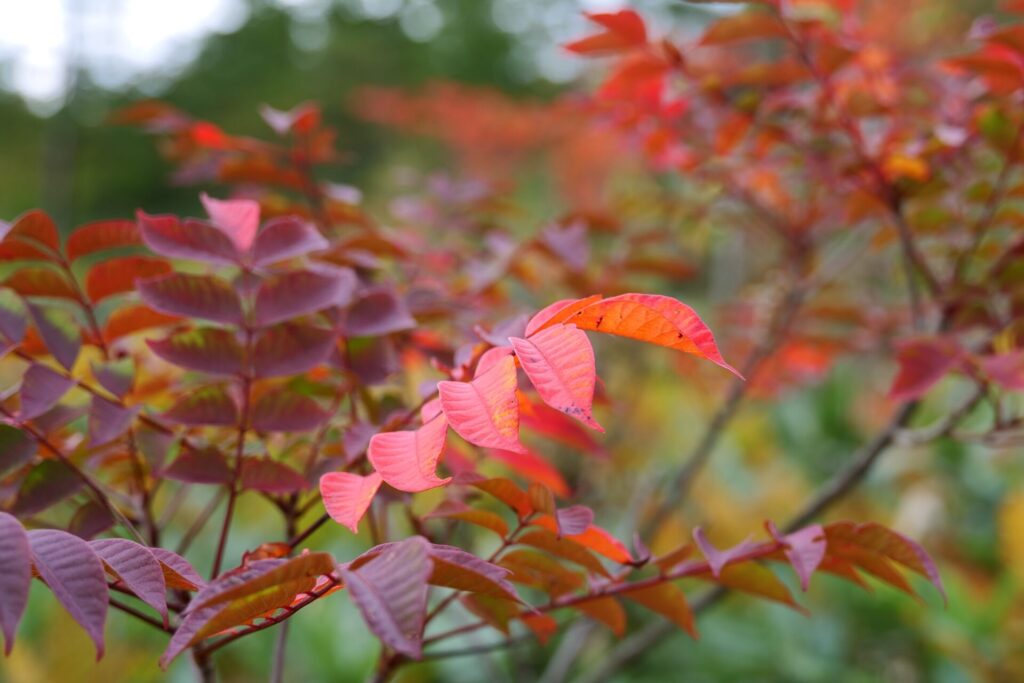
(193, 240)
(922, 363)
(347, 496)
(137, 568)
(574, 520)
(237, 218)
(407, 460)
(718, 559)
(284, 238)
(490, 358)
(15, 576)
(192, 296)
(391, 592)
(485, 411)
(75, 575)
(559, 361)
(1005, 369)
(41, 389)
(805, 550)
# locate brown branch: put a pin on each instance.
(141, 616)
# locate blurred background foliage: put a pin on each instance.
(965, 503)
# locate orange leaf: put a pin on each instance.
(668, 600)
(116, 276)
(608, 611)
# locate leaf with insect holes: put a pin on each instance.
(100, 236)
(291, 349)
(391, 593)
(239, 219)
(650, 318)
(923, 361)
(485, 412)
(15, 576)
(192, 296)
(408, 460)
(192, 240)
(301, 292)
(209, 405)
(286, 411)
(347, 496)
(117, 276)
(668, 600)
(559, 361)
(107, 420)
(41, 389)
(624, 30)
(75, 575)
(136, 567)
(284, 238)
(60, 333)
(212, 350)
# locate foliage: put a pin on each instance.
(291, 348)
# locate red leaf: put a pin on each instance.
(199, 466)
(107, 420)
(34, 226)
(391, 593)
(40, 281)
(485, 412)
(593, 538)
(137, 569)
(237, 218)
(75, 575)
(347, 496)
(285, 411)
(507, 492)
(270, 476)
(41, 389)
(534, 468)
(291, 349)
(193, 240)
(117, 276)
(192, 296)
(301, 292)
(625, 30)
(560, 363)
(922, 363)
(101, 235)
(212, 350)
(15, 576)
(210, 405)
(285, 238)
(408, 460)
(132, 319)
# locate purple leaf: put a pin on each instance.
(48, 483)
(137, 569)
(178, 573)
(41, 389)
(284, 238)
(717, 559)
(455, 568)
(291, 349)
(286, 411)
(115, 376)
(211, 350)
(301, 292)
(805, 549)
(270, 476)
(15, 576)
(210, 405)
(205, 466)
(574, 520)
(75, 575)
(391, 592)
(60, 333)
(90, 520)
(13, 316)
(192, 296)
(108, 421)
(378, 312)
(372, 360)
(194, 240)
